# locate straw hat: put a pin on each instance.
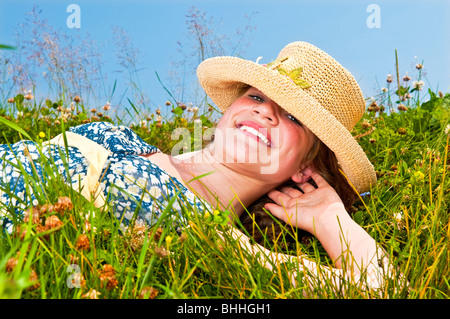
(309, 84)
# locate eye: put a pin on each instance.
(257, 98)
(293, 119)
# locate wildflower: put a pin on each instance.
(398, 218)
(77, 99)
(418, 85)
(195, 109)
(52, 222)
(11, 264)
(389, 78)
(34, 279)
(11, 100)
(107, 106)
(82, 243)
(28, 96)
(64, 203)
(417, 176)
(402, 107)
(78, 280)
(441, 95)
(394, 168)
(91, 294)
(108, 274)
(169, 239)
(41, 134)
(206, 215)
(20, 232)
(158, 234)
(168, 103)
(34, 213)
(384, 90)
(406, 78)
(419, 66)
(447, 129)
(137, 236)
(373, 107)
(161, 252)
(158, 111)
(372, 140)
(73, 259)
(182, 238)
(365, 124)
(148, 293)
(402, 131)
(93, 111)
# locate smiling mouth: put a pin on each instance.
(255, 133)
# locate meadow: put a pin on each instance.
(68, 248)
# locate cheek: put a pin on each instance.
(299, 144)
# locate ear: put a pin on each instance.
(303, 175)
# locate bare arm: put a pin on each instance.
(321, 212)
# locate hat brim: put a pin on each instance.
(224, 79)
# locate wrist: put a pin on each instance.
(332, 223)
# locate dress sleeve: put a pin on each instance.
(117, 139)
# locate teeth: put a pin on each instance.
(255, 132)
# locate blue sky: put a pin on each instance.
(419, 30)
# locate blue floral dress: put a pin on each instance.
(133, 187)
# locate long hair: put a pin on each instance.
(268, 231)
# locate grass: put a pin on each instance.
(74, 250)
(407, 213)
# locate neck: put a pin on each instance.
(217, 183)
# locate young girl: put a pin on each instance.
(286, 120)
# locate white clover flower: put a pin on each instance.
(447, 129)
(418, 85)
(398, 217)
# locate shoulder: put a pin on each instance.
(116, 138)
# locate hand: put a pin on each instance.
(306, 210)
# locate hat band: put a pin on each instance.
(294, 75)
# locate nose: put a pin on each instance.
(267, 112)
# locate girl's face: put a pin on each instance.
(256, 135)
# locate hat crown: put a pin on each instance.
(330, 83)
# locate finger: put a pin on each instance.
(292, 192)
(306, 187)
(319, 180)
(277, 211)
(279, 197)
